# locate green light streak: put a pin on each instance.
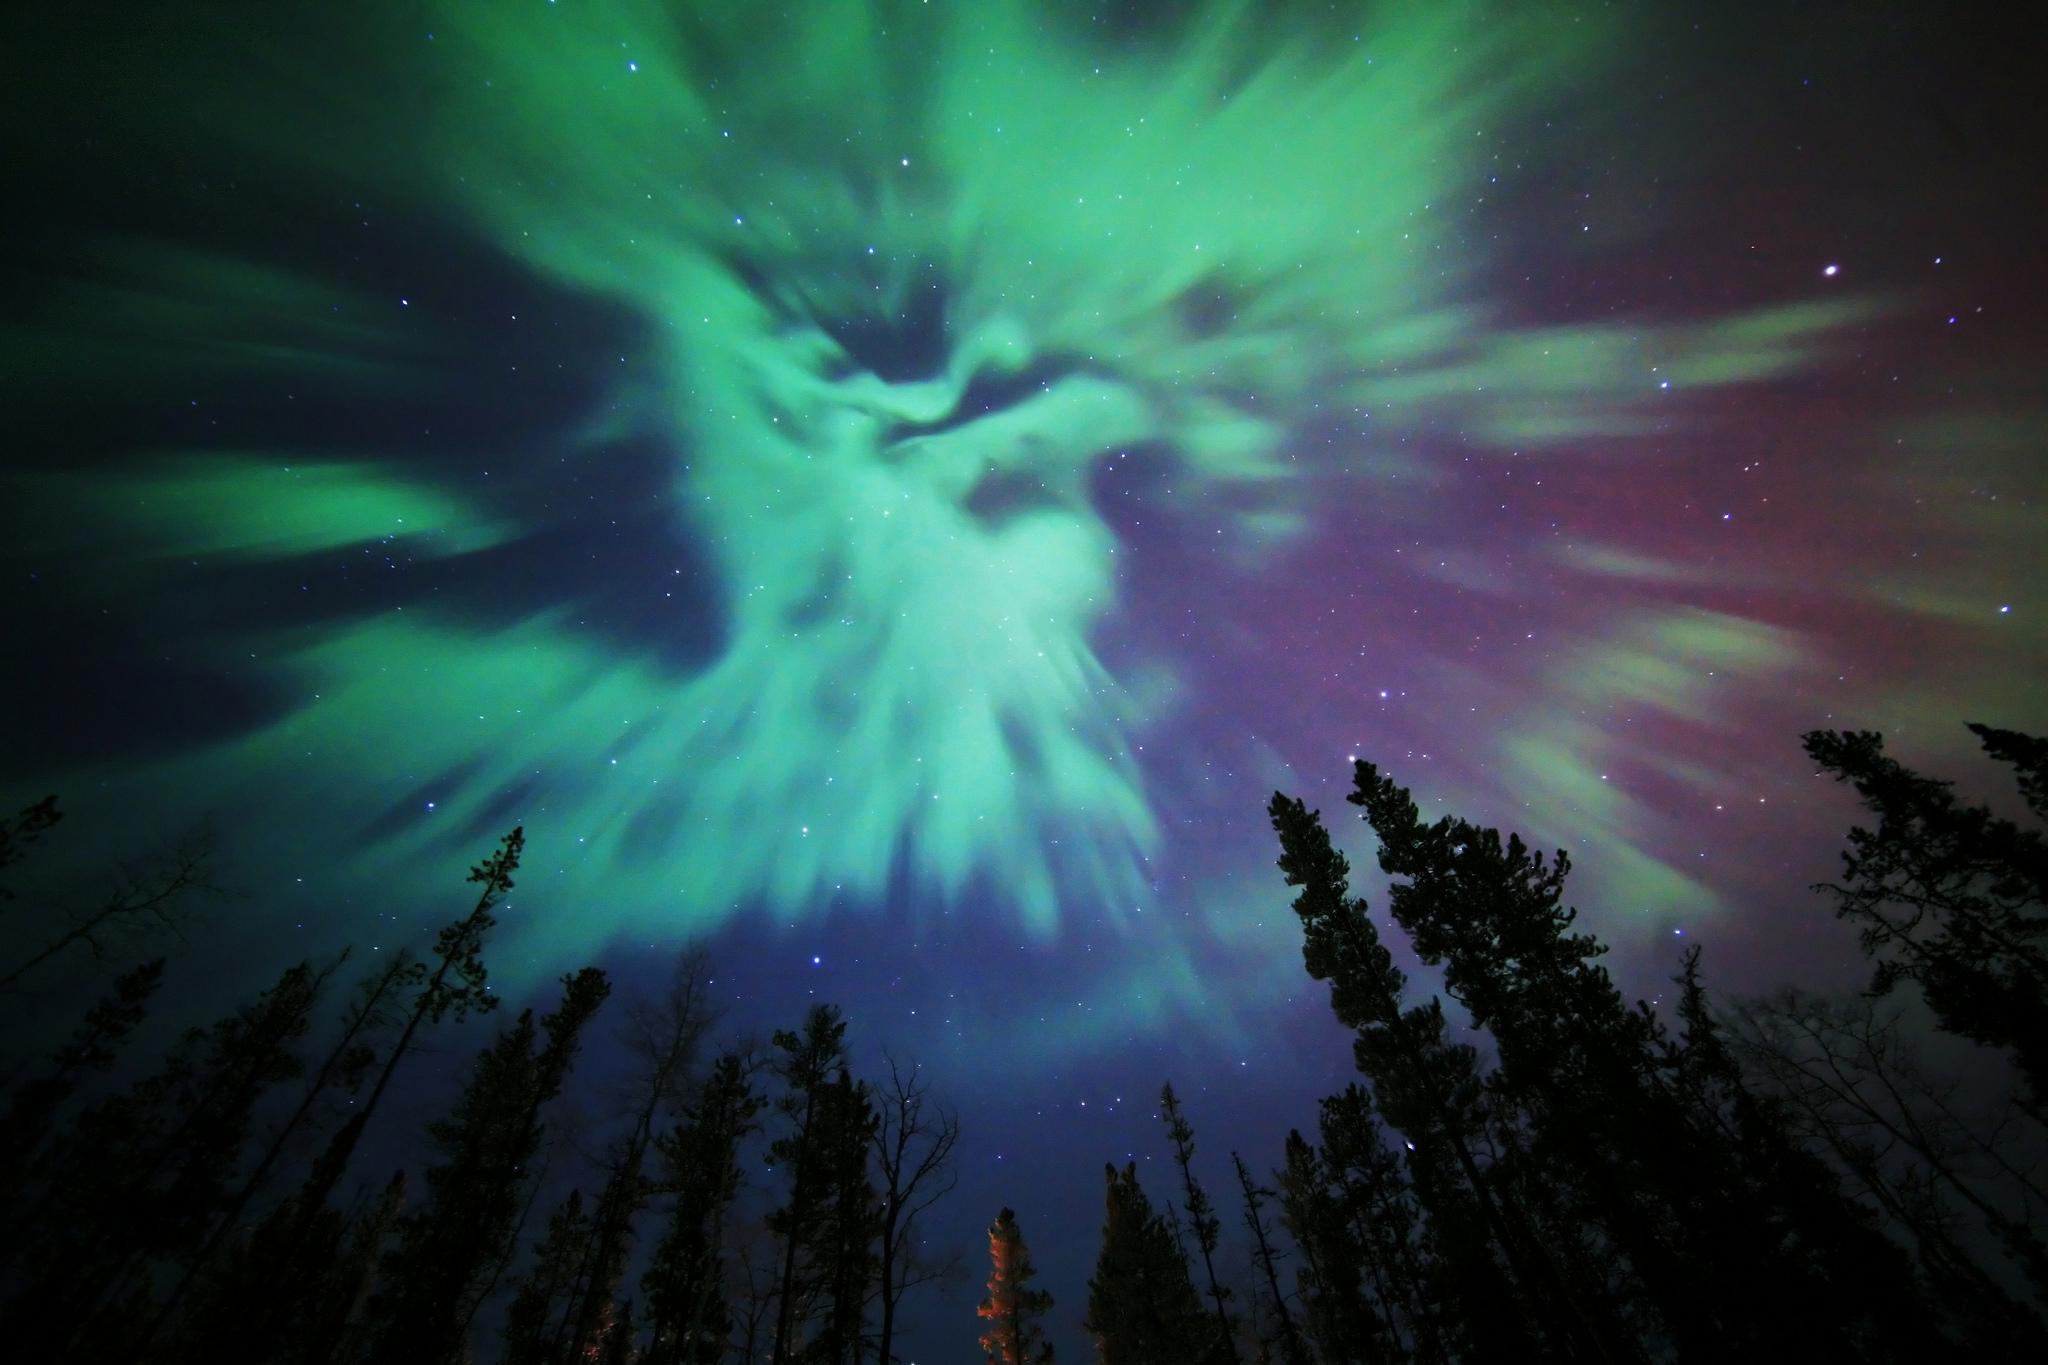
(249, 507)
(1199, 244)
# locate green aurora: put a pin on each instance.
(912, 276)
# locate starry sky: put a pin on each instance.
(886, 490)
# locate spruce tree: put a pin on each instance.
(439, 1274)
(1012, 1308)
(23, 829)
(1142, 1305)
(532, 1330)
(135, 1185)
(91, 1048)
(457, 985)
(1431, 1091)
(287, 1285)
(845, 1247)
(806, 1155)
(1655, 1190)
(1951, 897)
(570, 1300)
(1344, 1319)
(1265, 1261)
(1202, 1219)
(1378, 1283)
(690, 1318)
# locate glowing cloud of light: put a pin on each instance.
(916, 274)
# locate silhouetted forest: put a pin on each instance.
(1529, 1168)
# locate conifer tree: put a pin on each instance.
(458, 984)
(1142, 1305)
(1632, 1176)
(347, 1060)
(1701, 1220)
(1429, 1089)
(1265, 1260)
(1012, 1308)
(570, 1299)
(845, 1247)
(91, 1048)
(1344, 1320)
(335, 1327)
(685, 1283)
(532, 1334)
(805, 1154)
(437, 1277)
(281, 1292)
(24, 828)
(137, 1181)
(1949, 896)
(1202, 1219)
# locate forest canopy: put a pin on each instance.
(1528, 1167)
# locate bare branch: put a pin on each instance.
(150, 895)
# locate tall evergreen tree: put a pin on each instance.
(437, 1277)
(1375, 1285)
(33, 1106)
(1430, 1090)
(1654, 1146)
(1266, 1265)
(1632, 1173)
(1142, 1305)
(570, 1300)
(285, 1288)
(25, 828)
(1949, 896)
(1202, 1219)
(533, 1331)
(1013, 1308)
(457, 984)
(346, 1061)
(133, 1188)
(806, 1155)
(845, 1249)
(691, 1319)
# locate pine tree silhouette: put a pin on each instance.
(806, 1155)
(34, 1104)
(1142, 1305)
(1266, 1263)
(1202, 1219)
(1655, 1146)
(685, 1283)
(849, 1227)
(135, 1184)
(1639, 1195)
(1511, 1295)
(434, 1281)
(1951, 897)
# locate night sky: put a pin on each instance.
(888, 490)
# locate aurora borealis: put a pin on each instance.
(888, 489)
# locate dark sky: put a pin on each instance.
(806, 471)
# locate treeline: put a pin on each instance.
(1541, 1171)
(212, 1210)
(1581, 1179)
